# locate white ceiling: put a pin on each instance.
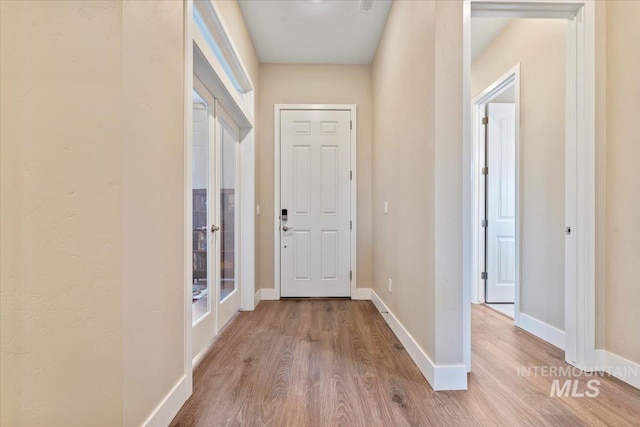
(483, 31)
(315, 31)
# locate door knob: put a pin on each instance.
(286, 228)
(214, 228)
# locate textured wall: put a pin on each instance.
(152, 204)
(403, 168)
(623, 177)
(61, 254)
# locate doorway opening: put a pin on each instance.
(563, 179)
(495, 139)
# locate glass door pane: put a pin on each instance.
(200, 176)
(228, 210)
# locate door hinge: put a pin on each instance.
(485, 223)
(485, 170)
(485, 120)
(350, 225)
(350, 124)
(351, 175)
(483, 275)
(350, 275)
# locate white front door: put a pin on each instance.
(501, 203)
(316, 203)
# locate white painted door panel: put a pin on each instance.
(501, 203)
(315, 190)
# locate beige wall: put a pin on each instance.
(539, 46)
(403, 161)
(313, 84)
(61, 256)
(417, 75)
(622, 179)
(152, 209)
(92, 172)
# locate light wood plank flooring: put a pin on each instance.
(335, 362)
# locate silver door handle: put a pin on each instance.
(214, 228)
(286, 228)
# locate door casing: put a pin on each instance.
(276, 186)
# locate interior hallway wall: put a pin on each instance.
(622, 179)
(403, 160)
(152, 165)
(417, 169)
(539, 45)
(61, 188)
(92, 217)
(313, 84)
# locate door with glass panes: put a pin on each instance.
(215, 279)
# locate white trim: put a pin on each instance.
(362, 294)
(580, 116)
(170, 405)
(440, 377)
(552, 9)
(247, 221)
(467, 194)
(211, 72)
(548, 333)
(618, 367)
(188, 196)
(277, 108)
(213, 19)
(507, 80)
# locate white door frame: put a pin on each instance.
(277, 109)
(509, 79)
(580, 167)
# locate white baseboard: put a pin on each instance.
(619, 367)
(548, 333)
(362, 294)
(441, 377)
(170, 405)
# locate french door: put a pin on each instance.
(215, 289)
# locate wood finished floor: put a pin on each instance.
(335, 362)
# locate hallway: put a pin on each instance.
(335, 362)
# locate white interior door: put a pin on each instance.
(501, 203)
(228, 217)
(315, 193)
